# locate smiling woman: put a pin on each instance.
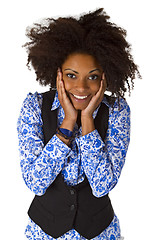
(82, 76)
(79, 135)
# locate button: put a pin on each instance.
(72, 192)
(72, 207)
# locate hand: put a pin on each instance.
(87, 114)
(69, 110)
(96, 99)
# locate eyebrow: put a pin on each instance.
(96, 69)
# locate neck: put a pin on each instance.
(79, 118)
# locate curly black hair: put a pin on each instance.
(93, 34)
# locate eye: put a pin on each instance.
(93, 77)
(70, 75)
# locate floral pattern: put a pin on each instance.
(101, 161)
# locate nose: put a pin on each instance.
(81, 85)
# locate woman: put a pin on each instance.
(73, 140)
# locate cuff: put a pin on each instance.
(56, 149)
(91, 142)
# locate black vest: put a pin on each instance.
(64, 207)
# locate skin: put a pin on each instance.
(80, 75)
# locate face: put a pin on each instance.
(82, 76)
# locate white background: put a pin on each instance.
(136, 198)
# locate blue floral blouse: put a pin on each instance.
(101, 161)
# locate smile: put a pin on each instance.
(80, 97)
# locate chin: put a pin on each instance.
(79, 104)
(78, 107)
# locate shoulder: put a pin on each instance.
(33, 99)
(119, 115)
(32, 102)
(31, 107)
(119, 120)
(119, 106)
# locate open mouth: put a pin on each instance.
(80, 97)
(79, 101)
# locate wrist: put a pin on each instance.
(64, 140)
(68, 124)
(67, 132)
(86, 115)
(86, 118)
(87, 124)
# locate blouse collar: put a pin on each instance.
(56, 104)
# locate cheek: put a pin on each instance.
(95, 87)
(67, 84)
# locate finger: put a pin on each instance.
(105, 81)
(103, 84)
(100, 91)
(63, 95)
(59, 88)
(99, 95)
(58, 79)
(62, 88)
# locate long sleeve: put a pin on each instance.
(39, 164)
(103, 161)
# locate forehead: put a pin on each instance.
(81, 60)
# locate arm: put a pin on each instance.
(70, 112)
(103, 161)
(87, 114)
(40, 164)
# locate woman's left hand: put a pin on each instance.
(96, 99)
(87, 114)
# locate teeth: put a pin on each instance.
(80, 97)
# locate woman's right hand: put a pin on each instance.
(70, 112)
